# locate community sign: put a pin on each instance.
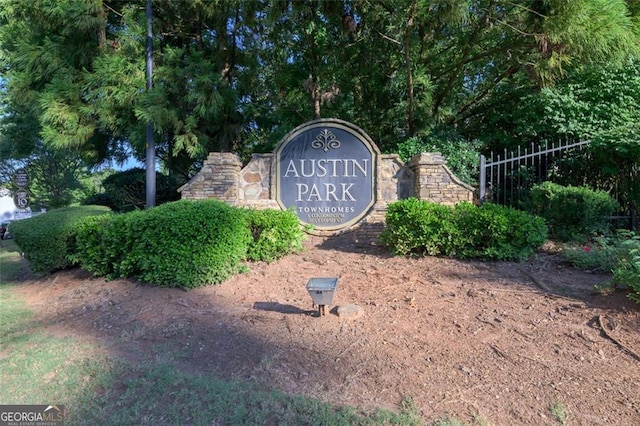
(326, 173)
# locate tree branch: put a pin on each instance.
(465, 53)
(509, 71)
(407, 58)
(389, 39)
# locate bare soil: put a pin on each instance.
(499, 342)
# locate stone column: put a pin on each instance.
(218, 179)
(434, 181)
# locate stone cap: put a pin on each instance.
(427, 159)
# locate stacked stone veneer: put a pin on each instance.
(217, 179)
(435, 182)
(426, 177)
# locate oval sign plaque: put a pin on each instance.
(326, 172)
(21, 178)
(21, 199)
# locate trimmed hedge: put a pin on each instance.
(183, 244)
(464, 231)
(103, 243)
(186, 243)
(276, 233)
(572, 213)
(47, 240)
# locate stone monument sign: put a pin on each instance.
(326, 173)
(331, 174)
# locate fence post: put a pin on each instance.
(483, 178)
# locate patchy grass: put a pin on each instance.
(10, 261)
(163, 395)
(452, 421)
(559, 412)
(39, 368)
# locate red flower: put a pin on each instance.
(587, 249)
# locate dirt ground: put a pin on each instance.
(480, 341)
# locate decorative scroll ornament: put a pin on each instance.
(326, 140)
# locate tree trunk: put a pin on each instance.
(411, 122)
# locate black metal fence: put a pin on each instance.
(506, 178)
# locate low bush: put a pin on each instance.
(627, 270)
(48, 240)
(497, 232)
(572, 213)
(414, 226)
(183, 244)
(276, 233)
(598, 255)
(618, 253)
(191, 244)
(104, 245)
(89, 245)
(463, 231)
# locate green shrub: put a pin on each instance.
(498, 232)
(183, 244)
(104, 244)
(601, 254)
(463, 231)
(276, 233)
(191, 243)
(461, 154)
(618, 253)
(627, 270)
(572, 213)
(414, 226)
(90, 248)
(48, 240)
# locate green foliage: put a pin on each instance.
(588, 100)
(572, 213)
(498, 232)
(91, 246)
(627, 271)
(418, 226)
(601, 254)
(463, 231)
(237, 75)
(183, 244)
(55, 176)
(593, 99)
(600, 103)
(190, 244)
(560, 413)
(461, 155)
(276, 233)
(47, 240)
(618, 253)
(616, 152)
(126, 191)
